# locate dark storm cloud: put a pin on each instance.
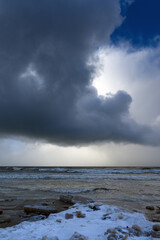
(45, 81)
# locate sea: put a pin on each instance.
(129, 187)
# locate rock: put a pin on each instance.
(125, 237)
(156, 219)
(114, 231)
(1, 211)
(120, 216)
(8, 200)
(156, 227)
(79, 214)
(106, 216)
(158, 211)
(45, 204)
(49, 238)
(94, 207)
(78, 236)
(39, 209)
(137, 228)
(150, 208)
(59, 220)
(100, 189)
(112, 237)
(5, 218)
(155, 234)
(147, 233)
(68, 216)
(66, 199)
(44, 238)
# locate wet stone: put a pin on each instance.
(156, 219)
(5, 218)
(156, 227)
(45, 204)
(68, 216)
(66, 199)
(8, 200)
(39, 209)
(150, 208)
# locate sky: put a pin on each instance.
(79, 83)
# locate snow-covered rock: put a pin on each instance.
(94, 226)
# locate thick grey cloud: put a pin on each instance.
(45, 78)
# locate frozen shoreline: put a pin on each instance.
(93, 222)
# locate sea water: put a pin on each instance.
(131, 188)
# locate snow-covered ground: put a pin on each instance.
(94, 222)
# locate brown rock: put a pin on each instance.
(156, 227)
(155, 234)
(48, 238)
(8, 200)
(125, 237)
(66, 199)
(39, 209)
(79, 214)
(45, 204)
(94, 207)
(120, 216)
(112, 237)
(150, 208)
(156, 219)
(78, 236)
(114, 231)
(137, 228)
(68, 216)
(5, 218)
(44, 238)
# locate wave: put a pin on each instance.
(98, 171)
(53, 169)
(75, 191)
(45, 175)
(115, 171)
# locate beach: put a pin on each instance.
(130, 191)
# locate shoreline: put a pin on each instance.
(78, 218)
(12, 211)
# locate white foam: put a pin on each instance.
(48, 175)
(92, 226)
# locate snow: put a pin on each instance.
(93, 226)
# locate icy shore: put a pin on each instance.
(80, 222)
